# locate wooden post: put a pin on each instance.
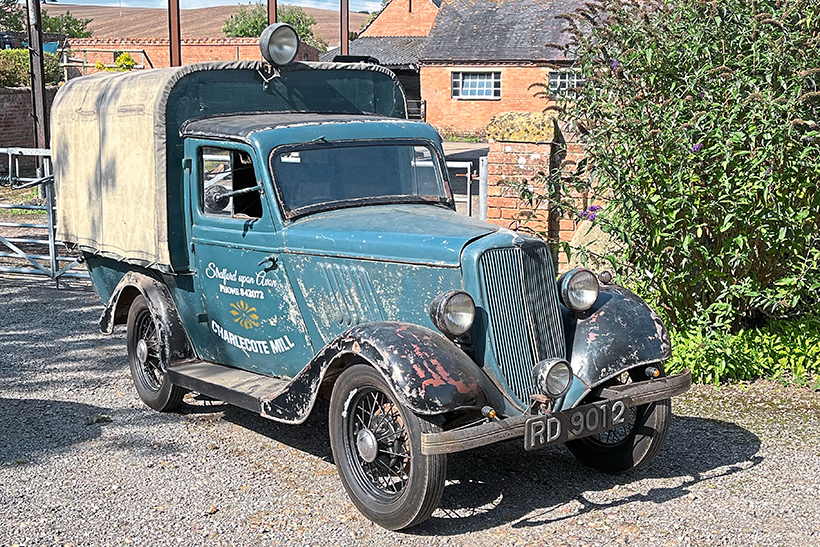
(173, 32)
(345, 30)
(271, 12)
(38, 83)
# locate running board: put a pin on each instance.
(231, 385)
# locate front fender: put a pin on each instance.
(174, 341)
(427, 372)
(618, 333)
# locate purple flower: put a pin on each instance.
(591, 213)
(613, 64)
(697, 148)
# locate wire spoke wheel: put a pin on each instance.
(376, 445)
(147, 352)
(632, 445)
(146, 359)
(381, 447)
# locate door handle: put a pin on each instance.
(273, 260)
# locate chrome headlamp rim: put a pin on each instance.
(453, 313)
(276, 40)
(569, 291)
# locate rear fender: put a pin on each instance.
(427, 372)
(618, 333)
(174, 341)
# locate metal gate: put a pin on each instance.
(26, 253)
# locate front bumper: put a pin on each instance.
(636, 394)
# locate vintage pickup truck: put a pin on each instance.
(274, 232)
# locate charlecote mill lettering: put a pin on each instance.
(266, 347)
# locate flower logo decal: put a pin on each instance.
(244, 315)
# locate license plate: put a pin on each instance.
(582, 421)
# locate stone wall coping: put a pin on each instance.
(76, 42)
(525, 127)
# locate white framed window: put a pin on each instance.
(476, 85)
(563, 82)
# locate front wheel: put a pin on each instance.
(631, 446)
(376, 445)
(146, 361)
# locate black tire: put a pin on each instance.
(376, 445)
(632, 446)
(146, 361)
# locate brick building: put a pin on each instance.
(467, 60)
(483, 56)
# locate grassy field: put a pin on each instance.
(26, 196)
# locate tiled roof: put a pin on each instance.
(498, 30)
(391, 51)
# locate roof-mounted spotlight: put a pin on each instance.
(279, 44)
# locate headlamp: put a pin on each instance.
(279, 44)
(552, 377)
(453, 313)
(578, 289)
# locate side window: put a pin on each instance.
(228, 183)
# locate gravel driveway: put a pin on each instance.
(84, 462)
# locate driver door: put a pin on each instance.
(253, 318)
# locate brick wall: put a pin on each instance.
(157, 51)
(471, 116)
(523, 146)
(404, 18)
(16, 122)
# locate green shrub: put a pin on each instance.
(14, 68)
(786, 349)
(701, 121)
(124, 63)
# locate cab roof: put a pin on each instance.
(303, 126)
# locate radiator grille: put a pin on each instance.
(522, 304)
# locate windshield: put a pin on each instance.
(320, 176)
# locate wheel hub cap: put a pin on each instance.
(367, 445)
(142, 351)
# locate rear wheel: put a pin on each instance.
(376, 445)
(146, 361)
(631, 446)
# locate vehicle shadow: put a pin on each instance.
(501, 484)
(311, 437)
(58, 425)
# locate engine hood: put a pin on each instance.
(419, 234)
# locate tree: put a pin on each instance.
(251, 20)
(66, 24)
(13, 17)
(701, 122)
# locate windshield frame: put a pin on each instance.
(290, 214)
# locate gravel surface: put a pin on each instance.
(84, 462)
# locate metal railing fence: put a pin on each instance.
(23, 249)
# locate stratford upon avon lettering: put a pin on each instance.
(266, 347)
(259, 279)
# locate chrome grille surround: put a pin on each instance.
(525, 324)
